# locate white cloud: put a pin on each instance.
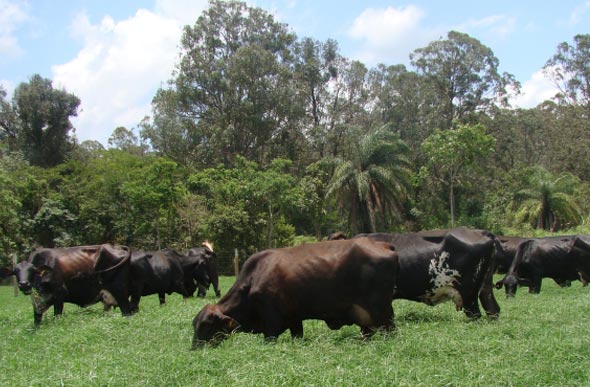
(579, 13)
(120, 67)
(183, 11)
(495, 26)
(12, 13)
(535, 91)
(391, 34)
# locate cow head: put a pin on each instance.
(511, 283)
(212, 326)
(25, 275)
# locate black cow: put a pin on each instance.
(509, 248)
(441, 265)
(340, 282)
(562, 258)
(206, 251)
(75, 275)
(164, 272)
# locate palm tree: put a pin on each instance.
(548, 203)
(373, 180)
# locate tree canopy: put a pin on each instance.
(262, 139)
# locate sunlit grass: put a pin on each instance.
(539, 340)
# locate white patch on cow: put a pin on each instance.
(208, 245)
(360, 315)
(107, 298)
(444, 280)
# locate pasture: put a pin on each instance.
(539, 340)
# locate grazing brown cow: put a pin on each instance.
(341, 282)
(75, 275)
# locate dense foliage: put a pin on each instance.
(261, 139)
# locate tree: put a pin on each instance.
(570, 70)
(10, 207)
(402, 100)
(373, 180)
(248, 205)
(152, 192)
(44, 121)
(233, 86)
(548, 201)
(8, 122)
(464, 75)
(451, 154)
(316, 68)
(125, 140)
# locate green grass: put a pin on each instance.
(539, 340)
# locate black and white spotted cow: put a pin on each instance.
(441, 265)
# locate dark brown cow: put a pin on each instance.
(75, 275)
(340, 282)
(441, 265)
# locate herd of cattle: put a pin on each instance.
(340, 281)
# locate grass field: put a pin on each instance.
(539, 340)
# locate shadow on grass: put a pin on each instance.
(420, 316)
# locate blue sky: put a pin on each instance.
(115, 54)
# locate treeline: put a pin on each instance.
(262, 138)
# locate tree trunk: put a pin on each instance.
(452, 202)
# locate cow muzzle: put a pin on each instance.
(25, 287)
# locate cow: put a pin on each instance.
(341, 282)
(53, 276)
(509, 247)
(164, 272)
(206, 251)
(335, 236)
(580, 248)
(561, 258)
(441, 265)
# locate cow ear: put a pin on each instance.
(499, 284)
(44, 270)
(5, 272)
(230, 323)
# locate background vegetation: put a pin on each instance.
(261, 138)
(539, 340)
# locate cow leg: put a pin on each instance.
(272, 321)
(202, 291)
(58, 308)
(37, 318)
(296, 329)
(134, 305)
(471, 309)
(535, 285)
(216, 287)
(162, 297)
(122, 298)
(486, 297)
(489, 304)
